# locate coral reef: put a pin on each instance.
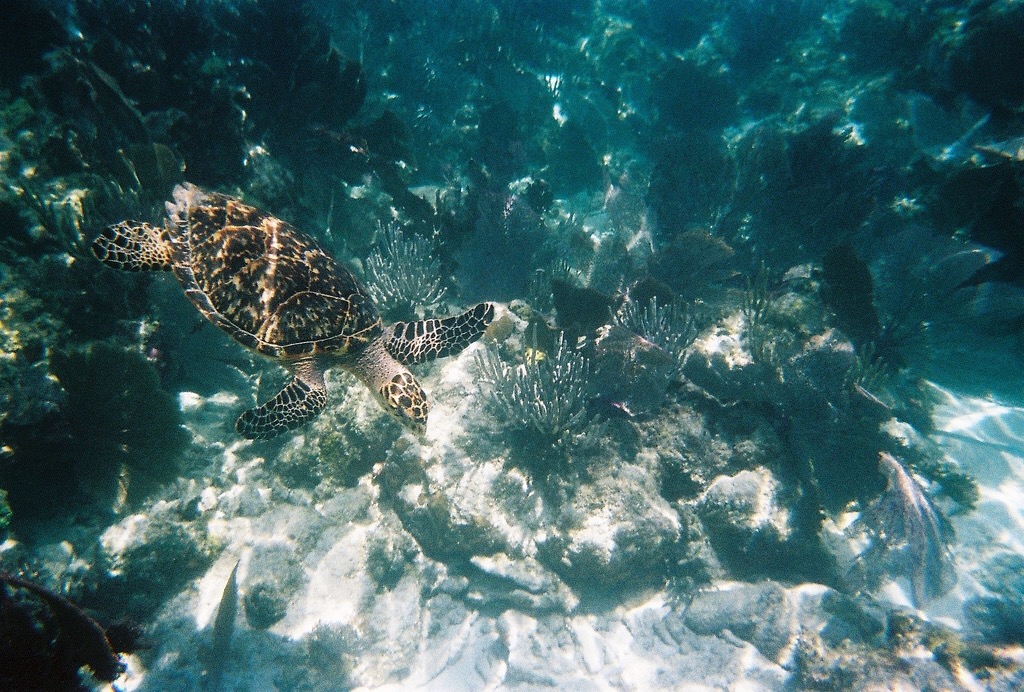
(700, 445)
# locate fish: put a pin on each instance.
(1012, 149)
(223, 630)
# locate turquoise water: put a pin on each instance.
(728, 399)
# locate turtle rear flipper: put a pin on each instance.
(301, 399)
(134, 246)
(417, 342)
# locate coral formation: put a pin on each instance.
(734, 247)
(404, 275)
(672, 327)
(904, 519)
(541, 401)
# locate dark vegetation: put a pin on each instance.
(108, 437)
(46, 638)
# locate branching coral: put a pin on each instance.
(671, 328)
(756, 301)
(544, 399)
(756, 298)
(869, 370)
(404, 275)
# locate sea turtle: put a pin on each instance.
(275, 291)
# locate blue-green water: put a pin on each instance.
(740, 410)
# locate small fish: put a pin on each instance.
(223, 630)
(533, 355)
(1012, 149)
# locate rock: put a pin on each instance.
(760, 528)
(340, 446)
(249, 501)
(612, 533)
(455, 522)
(824, 364)
(608, 528)
(148, 559)
(273, 575)
(743, 513)
(696, 563)
(523, 584)
(757, 613)
(630, 372)
(388, 552)
(265, 604)
(851, 619)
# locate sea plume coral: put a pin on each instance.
(671, 327)
(404, 274)
(543, 399)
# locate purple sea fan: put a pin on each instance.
(911, 535)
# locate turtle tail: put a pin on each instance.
(134, 246)
(417, 342)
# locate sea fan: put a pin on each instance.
(50, 644)
(907, 526)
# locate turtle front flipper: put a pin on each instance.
(417, 342)
(134, 246)
(301, 399)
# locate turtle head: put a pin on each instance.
(405, 400)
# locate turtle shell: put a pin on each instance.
(266, 283)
